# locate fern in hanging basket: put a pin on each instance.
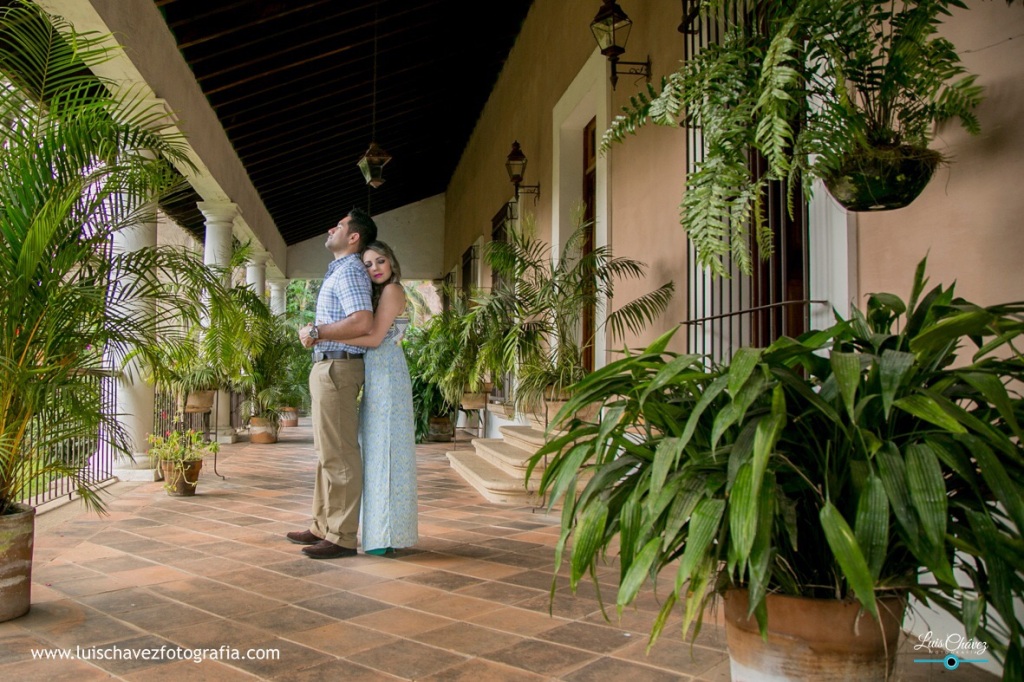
(809, 85)
(882, 178)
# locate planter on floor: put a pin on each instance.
(812, 639)
(17, 531)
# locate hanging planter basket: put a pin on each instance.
(882, 179)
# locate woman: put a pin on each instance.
(386, 431)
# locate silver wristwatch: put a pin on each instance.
(314, 333)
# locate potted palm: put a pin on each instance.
(181, 454)
(269, 373)
(534, 329)
(295, 391)
(855, 466)
(433, 414)
(451, 356)
(848, 91)
(80, 164)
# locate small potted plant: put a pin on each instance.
(850, 468)
(181, 456)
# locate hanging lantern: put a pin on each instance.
(372, 165)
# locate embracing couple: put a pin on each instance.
(356, 345)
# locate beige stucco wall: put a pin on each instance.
(969, 221)
(646, 180)
(413, 231)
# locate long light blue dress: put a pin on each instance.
(388, 441)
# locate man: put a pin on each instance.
(343, 311)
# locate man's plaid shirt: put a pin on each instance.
(346, 289)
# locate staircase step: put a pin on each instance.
(494, 484)
(509, 458)
(525, 437)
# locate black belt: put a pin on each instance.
(321, 355)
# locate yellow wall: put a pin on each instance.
(969, 221)
(646, 179)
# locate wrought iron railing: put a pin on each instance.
(166, 417)
(94, 454)
(719, 336)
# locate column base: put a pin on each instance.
(142, 469)
(227, 437)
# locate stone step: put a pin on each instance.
(509, 458)
(528, 438)
(495, 485)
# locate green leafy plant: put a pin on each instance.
(428, 400)
(181, 449)
(79, 164)
(820, 89)
(181, 446)
(451, 356)
(269, 376)
(880, 455)
(533, 327)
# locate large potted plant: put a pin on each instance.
(849, 91)
(268, 375)
(451, 352)
(80, 164)
(533, 328)
(879, 458)
(433, 414)
(295, 391)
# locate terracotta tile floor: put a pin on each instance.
(470, 602)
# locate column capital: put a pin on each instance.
(258, 258)
(218, 211)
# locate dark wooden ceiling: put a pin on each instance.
(292, 82)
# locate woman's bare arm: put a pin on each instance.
(390, 306)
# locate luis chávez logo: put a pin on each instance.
(959, 649)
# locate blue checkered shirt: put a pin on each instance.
(346, 289)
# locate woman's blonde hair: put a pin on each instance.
(396, 269)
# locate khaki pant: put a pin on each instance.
(334, 388)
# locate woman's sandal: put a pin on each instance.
(379, 552)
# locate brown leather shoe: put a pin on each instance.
(325, 549)
(303, 537)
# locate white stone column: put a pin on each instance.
(220, 219)
(135, 396)
(256, 274)
(278, 296)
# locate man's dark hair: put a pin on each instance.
(362, 224)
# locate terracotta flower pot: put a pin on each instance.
(812, 639)
(181, 478)
(16, 534)
(289, 416)
(440, 430)
(262, 431)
